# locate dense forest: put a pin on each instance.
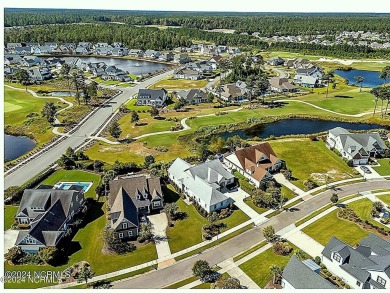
(267, 24)
(168, 39)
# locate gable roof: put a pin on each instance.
(191, 94)
(124, 208)
(300, 276)
(152, 94)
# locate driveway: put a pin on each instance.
(10, 237)
(238, 196)
(372, 175)
(160, 224)
(304, 242)
(282, 180)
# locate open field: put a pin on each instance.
(74, 176)
(384, 168)
(330, 226)
(318, 161)
(87, 245)
(175, 84)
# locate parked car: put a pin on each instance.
(365, 169)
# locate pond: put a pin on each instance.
(63, 94)
(371, 78)
(16, 146)
(137, 67)
(295, 126)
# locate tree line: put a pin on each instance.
(267, 24)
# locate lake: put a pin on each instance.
(371, 78)
(295, 126)
(132, 66)
(16, 146)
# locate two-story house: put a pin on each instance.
(48, 212)
(205, 183)
(132, 197)
(150, 97)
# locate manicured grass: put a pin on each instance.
(277, 212)
(330, 226)
(318, 160)
(362, 208)
(250, 203)
(202, 286)
(75, 176)
(219, 241)
(87, 245)
(181, 283)
(249, 251)
(9, 216)
(174, 84)
(384, 168)
(19, 104)
(257, 268)
(385, 198)
(131, 105)
(238, 217)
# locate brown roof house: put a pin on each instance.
(256, 163)
(281, 85)
(231, 92)
(130, 199)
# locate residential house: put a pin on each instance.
(358, 147)
(303, 275)
(281, 85)
(167, 56)
(51, 44)
(31, 44)
(70, 46)
(42, 50)
(49, 214)
(131, 198)
(151, 54)
(366, 266)
(80, 50)
(101, 45)
(150, 97)
(86, 45)
(214, 61)
(313, 71)
(202, 66)
(118, 51)
(11, 59)
(114, 73)
(29, 61)
(52, 62)
(73, 62)
(181, 58)
(192, 96)
(306, 81)
(256, 163)
(276, 61)
(190, 74)
(302, 63)
(234, 50)
(103, 51)
(9, 71)
(231, 92)
(136, 53)
(205, 183)
(222, 49)
(39, 74)
(23, 50)
(242, 85)
(12, 46)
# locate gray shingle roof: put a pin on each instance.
(152, 94)
(301, 276)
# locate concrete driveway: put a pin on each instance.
(160, 224)
(238, 195)
(372, 175)
(282, 180)
(10, 237)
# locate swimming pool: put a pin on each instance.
(66, 185)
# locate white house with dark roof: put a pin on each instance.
(358, 147)
(205, 183)
(366, 266)
(152, 97)
(303, 275)
(192, 96)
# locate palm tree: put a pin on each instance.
(385, 74)
(275, 271)
(328, 77)
(65, 70)
(377, 93)
(359, 79)
(300, 254)
(386, 93)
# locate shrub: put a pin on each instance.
(281, 248)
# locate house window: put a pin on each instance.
(124, 225)
(120, 235)
(130, 233)
(337, 257)
(156, 204)
(381, 281)
(358, 283)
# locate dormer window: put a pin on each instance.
(337, 257)
(124, 225)
(381, 281)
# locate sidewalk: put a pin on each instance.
(282, 180)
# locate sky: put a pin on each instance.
(382, 6)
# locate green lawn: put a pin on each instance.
(362, 208)
(250, 250)
(9, 215)
(318, 160)
(75, 176)
(330, 226)
(19, 104)
(175, 84)
(188, 232)
(384, 168)
(250, 203)
(87, 245)
(385, 198)
(257, 268)
(181, 283)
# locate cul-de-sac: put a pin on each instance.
(196, 150)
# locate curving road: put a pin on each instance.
(37, 165)
(182, 269)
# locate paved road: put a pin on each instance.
(181, 270)
(39, 164)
